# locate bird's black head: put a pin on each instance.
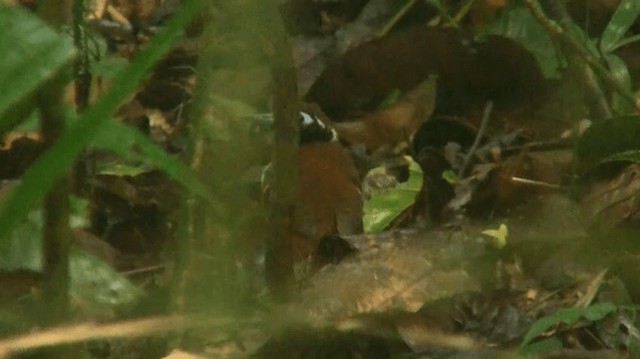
(312, 129)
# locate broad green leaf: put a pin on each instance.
(31, 53)
(385, 205)
(517, 23)
(54, 163)
(120, 138)
(622, 19)
(567, 316)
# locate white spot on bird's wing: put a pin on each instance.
(307, 120)
(334, 135)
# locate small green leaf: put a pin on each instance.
(498, 236)
(384, 206)
(390, 99)
(450, 176)
(622, 19)
(31, 53)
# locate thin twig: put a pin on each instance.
(535, 183)
(476, 142)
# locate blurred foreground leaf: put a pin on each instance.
(31, 53)
(121, 138)
(95, 285)
(49, 167)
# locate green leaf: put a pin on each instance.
(31, 53)
(384, 206)
(450, 176)
(120, 138)
(622, 19)
(498, 236)
(391, 98)
(517, 23)
(567, 316)
(629, 40)
(54, 163)
(620, 72)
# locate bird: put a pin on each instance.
(331, 167)
(331, 164)
(329, 200)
